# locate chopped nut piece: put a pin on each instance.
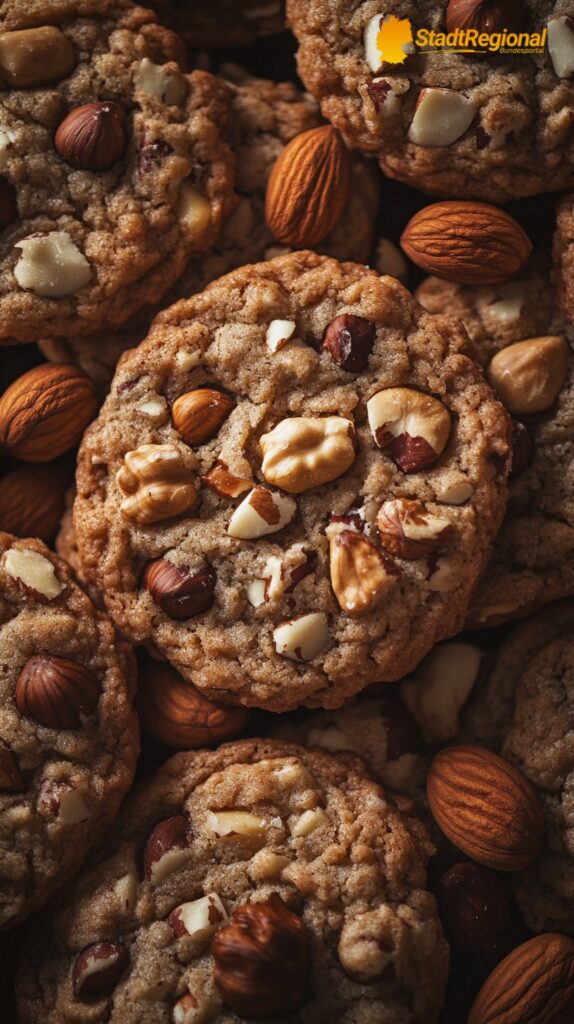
(359, 573)
(439, 688)
(441, 117)
(250, 827)
(279, 333)
(225, 483)
(34, 571)
(262, 512)
(51, 265)
(529, 375)
(349, 340)
(374, 54)
(561, 46)
(304, 452)
(308, 822)
(98, 968)
(166, 849)
(302, 639)
(256, 593)
(455, 493)
(408, 530)
(157, 484)
(412, 428)
(163, 81)
(266, 866)
(193, 210)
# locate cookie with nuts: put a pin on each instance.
(264, 118)
(522, 709)
(113, 171)
(525, 345)
(257, 881)
(314, 463)
(452, 122)
(68, 731)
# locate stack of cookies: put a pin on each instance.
(286, 514)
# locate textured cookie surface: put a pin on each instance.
(524, 711)
(308, 601)
(256, 818)
(494, 127)
(102, 208)
(563, 270)
(533, 556)
(264, 117)
(68, 734)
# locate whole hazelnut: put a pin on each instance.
(475, 909)
(92, 137)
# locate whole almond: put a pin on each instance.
(198, 415)
(45, 412)
(466, 242)
(308, 188)
(532, 985)
(32, 501)
(486, 807)
(173, 711)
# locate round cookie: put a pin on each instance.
(489, 127)
(264, 117)
(68, 732)
(563, 255)
(113, 168)
(243, 543)
(533, 556)
(253, 823)
(524, 711)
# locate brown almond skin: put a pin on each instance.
(466, 242)
(95, 983)
(176, 713)
(170, 834)
(92, 137)
(32, 501)
(45, 412)
(56, 691)
(262, 960)
(532, 985)
(199, 415)
(486, 807)
(308, 188)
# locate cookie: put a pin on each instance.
(494, 127)
(222, 23)
(533, 556)
(113, 168)
(293, 484)
(563, 261)
(276, 883)
(264, 117)
(69, 737)
(524, 711)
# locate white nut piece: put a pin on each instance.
(188, 360)
(308, 822)
(200, 918)
(303, 638)
(72, 808)
(193, 210)
(441, 117)
(229, 824)
(508, 302)
(126, 889)
(34, 571)
(155, 408)
(256, 593)
(279, 333)
(440, 687)
(51, 265)
(411, 427)
(304, 452)
(163, 81)
(455, 492)
(359, 574)
(409, 530)
(266, 865)
(561, 46)
(262, 512)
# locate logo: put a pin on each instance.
(390, 40)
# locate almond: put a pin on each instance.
(32, 501)
(466, 242)
(532, 985)
(175, 712)
(308, 188)
(486, 806)
(45, 412)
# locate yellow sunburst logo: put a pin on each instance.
(395, 40)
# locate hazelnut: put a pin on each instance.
(198, 415)
(92, 137)
(262, 512)
(98, 968)
(409, 530)
(529, 375)
(474, 908)
(56, 692)
(157, 483)
(35, 56)
(487, 16)
(304, 452)
(360, 574)
(349, 340)
(166, 848)
(178, 591)
(262, 960)
(172, 710)
(11, 779)
(410, 427)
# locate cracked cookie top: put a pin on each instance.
(525, 345)
(68, 733)
(495, 126)
(258, 880)
(112, 168)
(293, 484)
